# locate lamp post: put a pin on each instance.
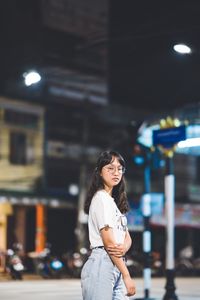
(169, 185)
(170, 133)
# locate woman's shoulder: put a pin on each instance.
(101, 196)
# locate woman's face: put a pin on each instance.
(112, 173)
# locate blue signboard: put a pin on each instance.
(169, 136)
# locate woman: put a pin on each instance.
(105, 275)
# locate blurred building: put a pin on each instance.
(102, 78)
(21, 162)
(47, 156)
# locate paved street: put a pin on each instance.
(187, 289)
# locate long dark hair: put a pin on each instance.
(118, 192)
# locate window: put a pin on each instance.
(17, 148)
(17, 118)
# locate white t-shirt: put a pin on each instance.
(104, 212)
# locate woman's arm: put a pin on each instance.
(127, 241)
(109, 241)
(120, 249)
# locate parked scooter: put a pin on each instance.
(186, 263)
(134, 264)
(14, 265)
(49, 266)
(157, 266)
(74, 262)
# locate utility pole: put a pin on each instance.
(146, 212)
(80, 230)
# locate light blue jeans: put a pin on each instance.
(100, 279)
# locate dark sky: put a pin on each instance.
(145, 70)
(136, 38)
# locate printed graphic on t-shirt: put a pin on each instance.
(121, 221)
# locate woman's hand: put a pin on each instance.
(117, 250)
(130, 285)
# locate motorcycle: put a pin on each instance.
(186, 263)
(49, 266)
(14, 265)
(157, 266)
(134, 264)
(74, 262)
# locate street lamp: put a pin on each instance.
(170, 133)
(182, 49)
(31, 77)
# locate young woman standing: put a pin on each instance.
(105, 275)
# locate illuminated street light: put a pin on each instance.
(195, 142)
(182, 49)
(31, 78)
(73, 189)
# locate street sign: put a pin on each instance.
(168, 137)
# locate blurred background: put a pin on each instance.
(79, 77)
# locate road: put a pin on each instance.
(69, 289)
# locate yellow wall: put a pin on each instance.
(5, 210)
(20, 177)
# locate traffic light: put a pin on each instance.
(157, 160)
(139, 155)
(143, 156)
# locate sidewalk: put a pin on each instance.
(187, 288)
(6, 277)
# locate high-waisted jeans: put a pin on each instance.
(100, 278)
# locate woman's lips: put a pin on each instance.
(115, 179)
